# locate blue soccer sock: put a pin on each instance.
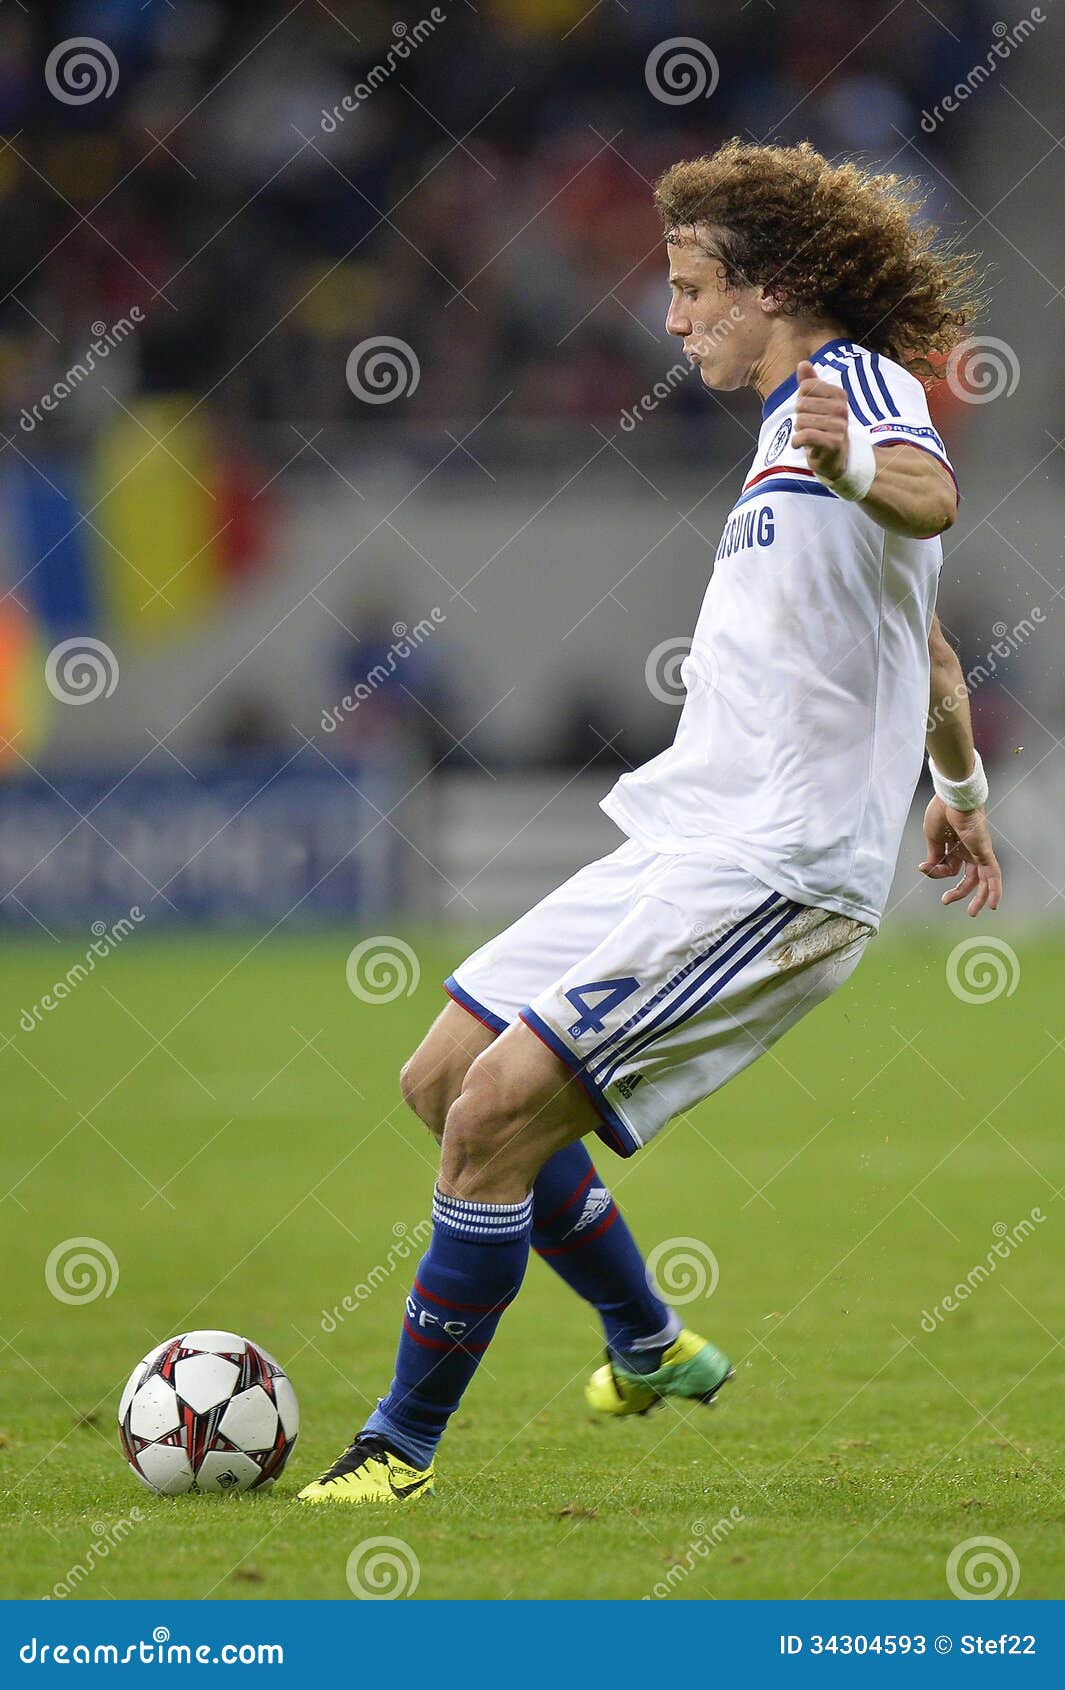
(471, 1271)
(579, 1231)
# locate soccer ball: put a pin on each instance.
(207, 1411)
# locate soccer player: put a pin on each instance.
(761, 846)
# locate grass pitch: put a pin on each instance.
(227, 1124)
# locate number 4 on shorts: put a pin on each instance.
(593, 1015)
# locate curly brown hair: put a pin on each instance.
(833, 241)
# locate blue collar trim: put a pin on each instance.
(787, 388)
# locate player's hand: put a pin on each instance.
(959, 842)
(820, 423)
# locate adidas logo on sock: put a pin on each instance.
(596, 1203)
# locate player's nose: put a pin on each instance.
(677, 320)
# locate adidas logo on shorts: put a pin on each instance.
(626, 1086)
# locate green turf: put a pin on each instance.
(845, 1188)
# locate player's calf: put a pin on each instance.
(513, 1111)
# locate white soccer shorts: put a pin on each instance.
(657, 978)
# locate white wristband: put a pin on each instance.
(857, 477)
(969, 794)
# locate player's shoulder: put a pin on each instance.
(890, 401)
(896, 377)
(884, 397)
(877, 386)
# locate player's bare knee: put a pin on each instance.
(427, 1088)
(491, 1150)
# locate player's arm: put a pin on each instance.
(957, 841)
(903, 488)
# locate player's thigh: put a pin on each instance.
(500, 978)
(433, 1077)
(519, 1105)
(690, 987)
(490, 988)
(780, 976)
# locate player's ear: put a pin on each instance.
(771, 300)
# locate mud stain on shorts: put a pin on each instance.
(816, 934)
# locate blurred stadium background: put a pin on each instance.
(355, 510)
(333, 368)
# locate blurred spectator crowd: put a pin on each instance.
(255, 189)
(485, 196)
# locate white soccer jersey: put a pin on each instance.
(802, 733)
